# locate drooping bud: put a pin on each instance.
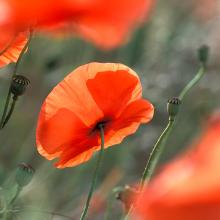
(126, 195)
(173, 106)
(19, 85)
(24, 174)
(203, 54)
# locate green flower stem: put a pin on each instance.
(9, 113)
(19, 189)
(6, 107)
(193, 82)
(156, 153)
(2, 123)
(161, 142)
(85, 210)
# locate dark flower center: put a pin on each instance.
(102, 123)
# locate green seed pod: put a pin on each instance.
(24, 174)
(19, 85)
(173, 106)
(203, 54)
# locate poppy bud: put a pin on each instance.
(24, 174)
(173, 106)
(19, 85)
(203, 54)
(126, 195)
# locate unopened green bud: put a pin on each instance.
(203, 54)
(24, 174)
(19, 85)
(173, 106)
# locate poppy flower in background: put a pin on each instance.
(189, 187)
(93, 94)
(205, 10)
(105, 23)
(11, 46)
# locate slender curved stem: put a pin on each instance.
(2, 124)
(9, 113)
(161, 142)
(156, 153)
(193, 82)
(6, 107)
(16, 195)
(158, 147)
(85, 210)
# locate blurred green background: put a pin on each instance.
(163, 51)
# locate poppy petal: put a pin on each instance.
(90, 95)
(81, 158)
(108, 24)
(105, 23)
(62, 128)
(139, 111)
(110, 88)
(77, 153)
(13, 48)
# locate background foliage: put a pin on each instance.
(163, 53)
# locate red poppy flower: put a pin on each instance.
(106, 23)
(92, 94)
(189, 187)
(11, 45)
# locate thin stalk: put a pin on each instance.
(9, 113)
(14, 73)
(156, 153)
(92, 187)
(6, 107)
(16, 195)
(161, 142)
(193, 82)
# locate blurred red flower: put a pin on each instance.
(189, 187)
(206, 9)
(92, 94)
(105, 23)
(11, 45)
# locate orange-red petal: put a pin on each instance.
(92, 94)
(11, 48)
(139, 111)
(108, 24)
(112, 85)
(105, 23)
(189, 187)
